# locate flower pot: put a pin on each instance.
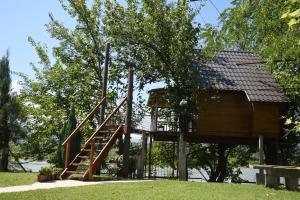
(56, 177)
(44, 178)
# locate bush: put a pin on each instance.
(56, 170)
(45, 171)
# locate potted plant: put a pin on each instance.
(45, 174)
(56, 173)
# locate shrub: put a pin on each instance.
(45, 171)
(56, 170)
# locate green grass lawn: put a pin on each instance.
(11, 178)
(158, 190)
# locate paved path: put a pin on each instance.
(57, 184)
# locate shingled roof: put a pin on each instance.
(242, 71)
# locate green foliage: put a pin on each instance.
(209, 157)
(158, 38)
(165, 154)
(45, 171)
(10, 113)
(56, 170)
(76, 141)
(292, 14)
(58, 157)
(72, 79)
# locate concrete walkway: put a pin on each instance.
(57, 184)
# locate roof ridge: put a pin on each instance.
(238, 51)
(228, 50)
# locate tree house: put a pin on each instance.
(240, 101)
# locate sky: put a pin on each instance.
(20, 19)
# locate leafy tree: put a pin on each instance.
(76, 141)
(158, 38)
(73, 78)
(220, 161)
(165, 154)
(292, 13)
(58, 158)
(9, 114)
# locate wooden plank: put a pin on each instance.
(104, 85)
(228, 114)
(128, 124)
(150, 157)
(91, 169)
(267, 119)
(67, 158)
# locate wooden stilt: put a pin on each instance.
(91, 168)
(104, 84)
(67, 159)
(150, 157)
(141, 159)
(128, 125)
(182, 167)
(260, 177)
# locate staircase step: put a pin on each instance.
(88, 150)
(105, 131)
(83, 157)
(75, 172)
(101, 138)
(102, 143)
(80, 164)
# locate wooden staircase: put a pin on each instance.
(95, 148)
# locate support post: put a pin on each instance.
(291, 183)
(150, 156)
(128, 124)
(146, 153)
(271, 181)
(67, 158)
(104, 89)
(182, 165)
(141, 159)
(91, 168)
(104, 84)
(260, 177)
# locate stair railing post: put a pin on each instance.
(128, 124)
(91, 159)
(104, 85)
(67, 158)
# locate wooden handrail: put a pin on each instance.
(83, 122)
(105, 122)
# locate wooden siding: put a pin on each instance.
(266, 119)
(231, 114)
(228, 114)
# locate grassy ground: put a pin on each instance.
(11, 179)
(158, 190)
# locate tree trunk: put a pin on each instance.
(222, 163)
(219, 174)
(182, 165)
(271, 157)
(5, 149)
